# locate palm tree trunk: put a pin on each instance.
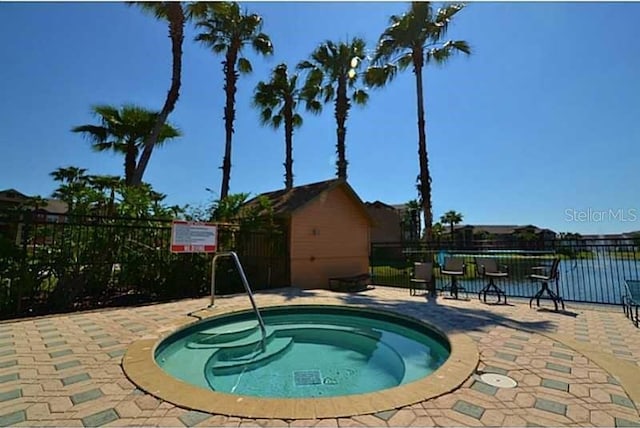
(288, 137)
(176, 19)
(341, 112)
(130, 162)
(425, 176)
(231, 77)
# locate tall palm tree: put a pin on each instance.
(124, 131)
(451, 218)
(416, 39)
(174, 14)
(227, 30)
(277, 100)
(332, 73)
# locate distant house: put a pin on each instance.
(507, 235)
(328, 229)
(50, 210)
(393, 223)
(610, 241)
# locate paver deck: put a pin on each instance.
(66, 370)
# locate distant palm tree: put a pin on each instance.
(437, 231)
(174, 14)
(227, 30)
(277, 100)
(411, 219)
(451, 218)
(69, 174)
(415, 39)
(73, 185)
(124, 131)
(110, 183)
(332, 72)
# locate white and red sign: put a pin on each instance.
(193, 237)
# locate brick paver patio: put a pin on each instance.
(66, 370)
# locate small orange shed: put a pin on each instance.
(328, 228)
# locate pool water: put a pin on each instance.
(309, 351)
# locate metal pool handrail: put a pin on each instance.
(234, 256)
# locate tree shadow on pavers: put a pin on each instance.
(450, 318)
(289, 293)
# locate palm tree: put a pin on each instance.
(437, 231)
(69, 174)
(416, 39)
(411, 219)
(227, 30)
(277, 100)
(106, 182)
(174, 14)
(124, 131)
(451, 218)
(73, 185)
(332, 72)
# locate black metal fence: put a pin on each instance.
(590, 270)
(65, 263)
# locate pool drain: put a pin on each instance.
(307, 377)
(498, 380)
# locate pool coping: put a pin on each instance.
(140, 367)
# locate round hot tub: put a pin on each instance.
(303, 351)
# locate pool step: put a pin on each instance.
(233, 360)
(226, 333)
(215, 342)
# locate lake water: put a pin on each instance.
(597, 280)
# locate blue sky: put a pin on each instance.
(539, 126)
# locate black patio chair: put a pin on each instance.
(422, 278)
(547, 274)
(488, 268)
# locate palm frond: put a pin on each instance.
(360, 97)
(296, 120)
(314, 106)
(157, 9)
(460, 46)
(442, 54)
(244, 66)
(262, 44)
(276, 121)
(168, 132)
(92, 132)
(328, 92)
(380, 76)
(102, 147)
(305, 65)
(405, 61)
(265, 116)
(442, 19)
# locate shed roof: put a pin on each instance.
(286, 202)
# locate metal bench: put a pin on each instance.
(350, 283)
(631, 300)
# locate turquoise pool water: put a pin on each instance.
(309, 351)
